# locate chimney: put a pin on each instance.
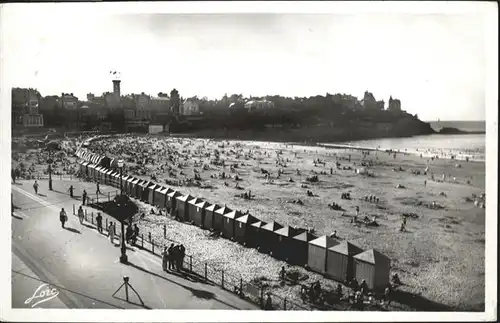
(116, 88)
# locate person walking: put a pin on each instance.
(135, 235)
(387, 295)
(81, 214)
(13, 175)
(70, 190)
(98, 190)
(35, 187)
(63, 217)
(84, 197)
(111, 232)
(98, 219)
(268, 306)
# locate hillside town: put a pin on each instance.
(137, 112)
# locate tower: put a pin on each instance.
(116, 88)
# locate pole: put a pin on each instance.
(50, 170)
(121, 181)
(123, 257)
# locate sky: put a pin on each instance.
(434, 63)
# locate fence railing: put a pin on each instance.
(203, 270)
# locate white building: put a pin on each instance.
(258, 105)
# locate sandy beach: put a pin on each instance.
(440, 258)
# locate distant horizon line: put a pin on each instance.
(454, 121)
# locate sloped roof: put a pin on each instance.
(161, 189)
(272, 226)
(202, 204)
(325, 242)
(212, 207)
(194, 201)
(174, 194)
(287, 231)
(233, 215)
(185, 198)
(346, 248)
(258, 224)
(247, 218)
(372, 256)
(223, 210)
(305, 236)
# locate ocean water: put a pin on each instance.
(444, 146)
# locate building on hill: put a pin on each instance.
(160, 104)
(25, 108)
(346, 100)
(190, 107)
(258, 105)
(369, 102)
(394, 105)
(69, 101)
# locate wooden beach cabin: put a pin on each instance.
(151, 192)
(318, 253)
(284, 247)
(143, 190)
(124, 182)
(99, 174)
(91, 171)
(132, 186)
(172, 202)
(198, 214)
(183, 207)
(219, 218)
(160, 197)
(372, 266)
(83, 167)
(300, 247)
(137, 191)
(241, 227)
(192, 208)
(340, 262)
(269, 237)
(254, 234)
(108, 178)
(127, 185)
(208, 222)
(229, 220)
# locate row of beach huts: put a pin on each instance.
(339, 260)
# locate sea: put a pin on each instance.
(462, 146)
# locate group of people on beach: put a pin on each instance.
(173, 257)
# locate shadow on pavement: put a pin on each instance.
(43, 195)
(73, 230)
(419, 302)
(133, 303)
(18, 184)
(17, 217)
(128, 248)
(196, 292)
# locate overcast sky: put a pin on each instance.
(435, 63)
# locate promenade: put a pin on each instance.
(83, 265)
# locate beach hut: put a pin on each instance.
(229, 220)
(151, 193)
(198, 215)
(254, 234)
(372, 266)
(91, 171)
(84, 167)
(122, 180)
(98, 173)
(269, 237)
(241, 227)
(172, 202)
(300, 247)
(318, 253)
(208, 222)
(102, 175)
(137, 190)
(182, 206)
(107, 179)
(143, 190)
(218, 218)
(340, 262)
(131, 182)
(115, 179)
(192, 208)
(160, 197)
(284, 248)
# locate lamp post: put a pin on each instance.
(121, 199)
(120, 165)
(49, 161)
